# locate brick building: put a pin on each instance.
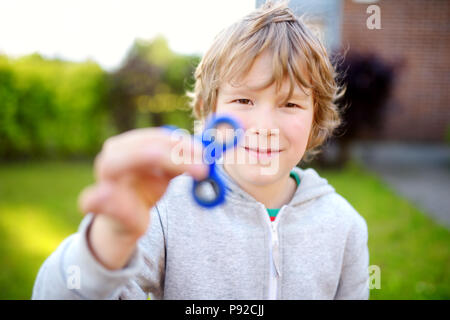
(414, 33)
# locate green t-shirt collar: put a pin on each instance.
(274, 212)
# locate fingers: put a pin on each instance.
(151, 152)
(133, 171)
(92, 198)
(118, 202)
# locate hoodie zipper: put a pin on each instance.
(274, 254)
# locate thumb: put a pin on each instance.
(92, 198)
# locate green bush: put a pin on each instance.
(60, 109)
(51, 108)
(447, 134)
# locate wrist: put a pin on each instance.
(111, 247)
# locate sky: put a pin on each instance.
(104, 30)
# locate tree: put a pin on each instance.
(369, 81)
(152, 80)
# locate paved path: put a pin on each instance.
(419, 172)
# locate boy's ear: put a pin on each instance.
(199, 123)
(201, 110)
(199, 126)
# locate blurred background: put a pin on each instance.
(73, 73)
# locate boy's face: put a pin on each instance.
(269, 125)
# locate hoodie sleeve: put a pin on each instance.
(353, 283)
(72, 272)
(149, 281)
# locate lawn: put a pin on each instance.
(38, 209)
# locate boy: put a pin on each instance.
(271, 73)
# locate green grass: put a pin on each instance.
(412, 251)
(38, 209)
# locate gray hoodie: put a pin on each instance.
(316, 249)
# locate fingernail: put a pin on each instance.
(201, 171)
(103, 192)
(151, 153)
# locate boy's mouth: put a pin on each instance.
(262, 151)
(262, 154)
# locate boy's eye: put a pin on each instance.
(242, 101)
(291, 105)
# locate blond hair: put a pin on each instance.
(294, 47)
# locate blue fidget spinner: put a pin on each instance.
(210, 192)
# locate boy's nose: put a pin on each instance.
(263, 121)
(264, 131)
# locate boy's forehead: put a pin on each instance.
(247, 85)
(259, 76)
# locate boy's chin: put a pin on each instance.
(254, 173)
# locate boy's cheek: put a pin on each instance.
(298, 142)
(240, 116)
(299, 131)
(233, 113)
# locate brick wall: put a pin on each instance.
(416, 32)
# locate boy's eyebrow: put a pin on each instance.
(235, 90)
(245, 90)
(302, 96)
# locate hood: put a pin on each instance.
(311, 186)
